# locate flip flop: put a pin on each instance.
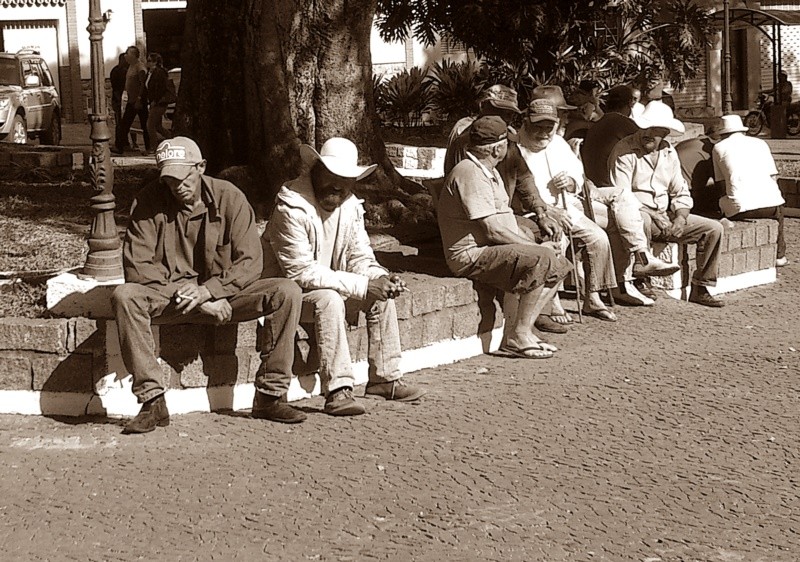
(546, 324)
(533, 352)
(601, 314)
(561, 318)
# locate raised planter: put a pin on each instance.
(56, 161)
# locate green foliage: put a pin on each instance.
(405, 96)
(457, 88)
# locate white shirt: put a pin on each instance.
(746, 166)
(546, 164)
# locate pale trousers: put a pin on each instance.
(326, 310)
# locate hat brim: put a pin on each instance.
(671, 124)
(741, 129)
(310, 156)
(508, 105)
(538, 118)
(177, 171)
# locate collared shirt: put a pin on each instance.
(654, 178)
(746, 166)
(189, 244)
(545, 164)
(471, 192)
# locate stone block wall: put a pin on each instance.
(58, 162)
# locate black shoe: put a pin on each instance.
(153, 414)
(273, 408)
(700, 295)
(341, 402)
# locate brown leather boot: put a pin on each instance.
(153, 414)
(273, 408)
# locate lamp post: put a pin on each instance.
(104, 261)
(727, 100)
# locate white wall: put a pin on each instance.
(120, 33)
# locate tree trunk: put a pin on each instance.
(260, 77)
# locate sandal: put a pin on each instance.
(563, 318)
(601, 314)
(546, 324)
(532, 352)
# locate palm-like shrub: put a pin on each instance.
(405, 96)
(457, 88)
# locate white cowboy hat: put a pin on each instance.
(658, 114)
(731, 124)
(340, 156)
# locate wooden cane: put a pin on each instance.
(574, 266)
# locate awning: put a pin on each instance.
(31, 3)
(760, 18)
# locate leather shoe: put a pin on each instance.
(341, 402)
(272, 408)
(702, 296)
(153, 414)
(397, 390)
(651, 266)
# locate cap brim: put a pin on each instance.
(538, 118)
(566, 106)
(309, 156)
(177, 171)
(503, 104)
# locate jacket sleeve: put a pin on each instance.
(679, 194)
(139, 248)
(290, 242)
(360, 256)
(246, 256)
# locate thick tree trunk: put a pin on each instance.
(263, 76)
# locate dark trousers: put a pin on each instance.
(137, 307)
(767, 213)
(124, 127)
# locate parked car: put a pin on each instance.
(174, 75)
(29, 102)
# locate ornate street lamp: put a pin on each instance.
(104, 261)
(727, 100)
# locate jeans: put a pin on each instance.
(767, 213)
(617, 210)
(706, 233)
(124, 127)
(598, 265)
(326, 309)
(137, 307)
(155, 124)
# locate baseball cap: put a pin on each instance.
(176, 155)
(488, 129)
(542, 110)
(501, 97)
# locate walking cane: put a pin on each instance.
(574, 266)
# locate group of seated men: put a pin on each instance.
(193, 254)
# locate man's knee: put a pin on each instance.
(126, 295)
(287, 291)
(327, 302)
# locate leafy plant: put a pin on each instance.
(406, 95)
(457, 88)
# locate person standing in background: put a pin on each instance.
(117, 79)
(136, 104)
(160, 93)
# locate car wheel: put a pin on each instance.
(19, 132)
(53, 133)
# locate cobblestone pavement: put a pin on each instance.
(671, 436)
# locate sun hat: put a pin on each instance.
(730, 124)
(488, 129)
(340, 157)
(658, 114)
(501, 97)
(552, 93)
(542, 110)
(174, 156)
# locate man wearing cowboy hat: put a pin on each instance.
(647, 164)
(192, 255)
(745, 171)
(483, 242)
(316, 237)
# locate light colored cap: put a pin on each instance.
(340, 157)
(175, 156)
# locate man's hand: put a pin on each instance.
(220, 310)
(189, 296)
(560, 182)
(678, 226)
(385, 287)
(551, 228)
(561, 218)
(663, 223)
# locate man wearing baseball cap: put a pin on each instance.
(316, 237)
(483, 242)
(646, 164)
(192, 254)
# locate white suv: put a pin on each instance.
(29, 102)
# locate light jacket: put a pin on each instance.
(292, 244)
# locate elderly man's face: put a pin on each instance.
(538, 135)
(651, 138)
(330, 190)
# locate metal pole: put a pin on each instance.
(104, 261)
(727, 100)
